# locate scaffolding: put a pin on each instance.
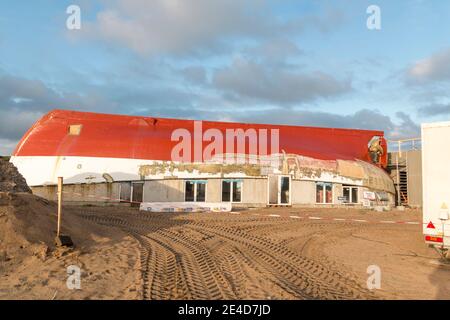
(400, 165)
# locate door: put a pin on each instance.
(125, 192)
(137, 193)
(285, 190)
(273, 189)
(279, 190)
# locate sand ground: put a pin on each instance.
(272, 253)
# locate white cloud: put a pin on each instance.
(175, 26)
(36, 99)
(15, 122)
(194, 74)
(245, 79)
(435, 109)
(195, 26)
(435, 68)
(7, 146)
(275, 50)
(404, 127)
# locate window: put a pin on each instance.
(284, 196)
(195, 191)
(354, 194)
(232, 190)
(350, 194)
(189, 191)
(137, 192)
(324, 192)
(226, 191)
(346, 194)
(75, 129)
(200, 192)
(125, 191)
(237, 191)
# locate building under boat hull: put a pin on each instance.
(115, 158)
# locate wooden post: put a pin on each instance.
(399, 199)
(60, 193)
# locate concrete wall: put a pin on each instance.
(337, 192)
(303, 192)
(414, 164)
(214, 190)
(411, 162)
(171, 190)
(94, 192)
(254, 192)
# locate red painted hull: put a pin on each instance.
(118, 136)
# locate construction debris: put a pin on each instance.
(10, 179)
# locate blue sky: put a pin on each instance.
(288, 62)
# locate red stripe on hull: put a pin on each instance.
(133, 137)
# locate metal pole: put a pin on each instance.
(60, 189)
(398, 176)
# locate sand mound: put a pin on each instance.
(31, 267)
(26, 219)
(10, 178)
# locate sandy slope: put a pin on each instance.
(256, 254)
(32, 268)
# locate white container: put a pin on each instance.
(436, 183)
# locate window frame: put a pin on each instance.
(185, 188)
(120, 191)
(280, 179)
(133, 183)
(196, 191)
(196, 182)
(350, 192)
(324, 185)
(74, 129)
(231, 181)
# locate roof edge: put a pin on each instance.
(75, 114)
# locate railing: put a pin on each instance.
(404, 145)
(400, 146)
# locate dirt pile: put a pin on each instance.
(25, 219)
(31, 267)
(10, 178)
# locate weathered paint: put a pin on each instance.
(135, 148)
(131, 137)
(209, 168)
(92, 170)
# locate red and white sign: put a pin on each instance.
(369, 195)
